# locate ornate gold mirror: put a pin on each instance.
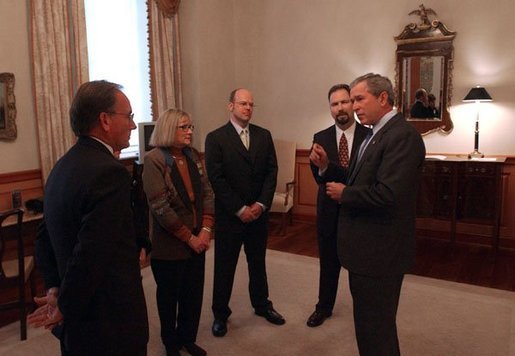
(423, 70)
(7, 107)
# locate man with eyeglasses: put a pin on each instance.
(242, 167)
(87, 248)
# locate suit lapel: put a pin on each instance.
(234, 139)
(371, 147)
(332, 147)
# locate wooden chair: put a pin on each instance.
(16, 271)
(284, 191)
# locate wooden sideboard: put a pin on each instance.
(462, 191)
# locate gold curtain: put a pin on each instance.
(165, 70)
(59, 61)
(168, 7)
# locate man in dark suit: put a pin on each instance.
(376, 230)
(242, 167)
(420, 108)
(341, 141)
(87, 248)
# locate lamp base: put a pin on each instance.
(476, 154)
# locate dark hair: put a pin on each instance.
(376, 84)
(91, 99)
(233, 94)
(420, 93)
(431, 97)
(337, 87)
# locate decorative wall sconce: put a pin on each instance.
(477, 95)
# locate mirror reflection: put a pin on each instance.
(423, 89)
(424, 63)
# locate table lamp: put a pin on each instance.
(477, 95)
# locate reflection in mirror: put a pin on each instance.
(424, 73)
(423, 78)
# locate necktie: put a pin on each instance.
(364, 144)
(343, 151)
(244, 135)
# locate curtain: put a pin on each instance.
(59, 66)
(165, 71)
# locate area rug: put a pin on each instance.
(435, 318)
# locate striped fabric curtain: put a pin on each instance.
(60, 65)
(165, 70)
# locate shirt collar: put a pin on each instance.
(105, 144)
(238, 128)
(387, 117)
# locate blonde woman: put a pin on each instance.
(181, 205)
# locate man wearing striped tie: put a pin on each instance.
(338, 140)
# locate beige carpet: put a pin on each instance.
(435, 318)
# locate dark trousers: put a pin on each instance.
(375, 302)
(227, 250)
(329, 272)
(180, 288)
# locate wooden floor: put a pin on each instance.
(461, 263)
(471, 264)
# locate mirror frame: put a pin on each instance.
(426, 39)
(8, 115)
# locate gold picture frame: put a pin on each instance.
(7, 107)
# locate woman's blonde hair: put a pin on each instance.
(166, 126)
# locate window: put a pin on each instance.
(118, 52)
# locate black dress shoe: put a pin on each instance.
(317, 318)
(195, 350)
(219, 328)
(172, 351)
(272, 316)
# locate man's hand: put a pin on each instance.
(319, 157)
(48, 313)
(257, 210)
(334, 190)
(247, 215)
(143, 258)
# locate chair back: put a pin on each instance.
(15, 270)
(13, 218)
(285, 151)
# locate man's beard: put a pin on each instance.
(342, 118)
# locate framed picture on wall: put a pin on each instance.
(7, 107)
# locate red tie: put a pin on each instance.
(343, 151)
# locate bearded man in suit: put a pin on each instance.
(341, 141)
(242, 167)
(87, 247)
(376, 230)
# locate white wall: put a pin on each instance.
(289, 52)
(21, 154)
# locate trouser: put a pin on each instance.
(180, 288)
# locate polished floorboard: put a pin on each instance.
(462, 263)
(470, 264)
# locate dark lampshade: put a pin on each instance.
(478, 94)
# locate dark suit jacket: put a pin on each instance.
(376, 231)
(327, 208)
(239, 176)
(90, 242)
(419, 111)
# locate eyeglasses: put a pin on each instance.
(186, 127)
(129, 115)
(245, 103)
